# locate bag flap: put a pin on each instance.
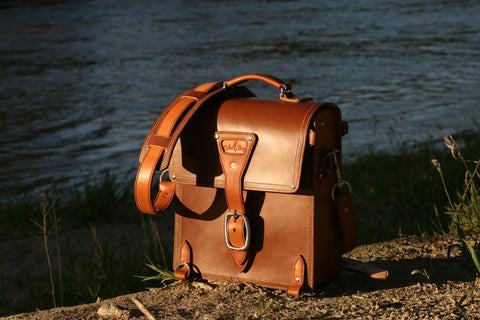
(281, 129)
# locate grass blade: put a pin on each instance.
(473, 254)
(466, 295)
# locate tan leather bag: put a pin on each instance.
(259, 195)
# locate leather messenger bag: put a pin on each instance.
(255, 183)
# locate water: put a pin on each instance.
(81, 82)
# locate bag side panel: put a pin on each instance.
(327, 241)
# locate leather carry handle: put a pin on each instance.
(285, 88)
(271, 80)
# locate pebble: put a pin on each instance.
(111, 310)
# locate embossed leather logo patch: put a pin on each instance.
(237, 146)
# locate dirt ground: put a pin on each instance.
(434, 293)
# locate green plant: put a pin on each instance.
(101, 201)
(465, 209)
(102, 268)
(165, 276)
(47, 224)
(83, 264)
(422, 272)
(473, 254)
(4, 298)
(475, 260)
(108, 198)
(394, 194)
(271, 306)
(16, 213)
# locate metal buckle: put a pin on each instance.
(247, 231)
(293, 298)
(162, 175)
(285, 93)
(340, 184)
(164, 172)
(181, 265)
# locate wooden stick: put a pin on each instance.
(362, 267)
(143, 309)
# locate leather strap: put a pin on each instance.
(298, 278)
(348, 227)
(159, 144)
(183, 270)
(347, 221)
(235, 149)
(366, 268)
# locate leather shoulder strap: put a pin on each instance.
(157, 149)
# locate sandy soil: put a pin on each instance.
(435, 293)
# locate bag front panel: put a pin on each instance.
(281, 230)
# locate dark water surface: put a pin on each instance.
(81, 82)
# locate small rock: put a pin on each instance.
(202, 285)
(111, 310)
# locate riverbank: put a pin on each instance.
(434, 293)
(98, 242)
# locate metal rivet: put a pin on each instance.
(250, 138)
(173, 177)
(217, 136)
(322, 124)
(293, 186)
(233, 165)
(297, 279)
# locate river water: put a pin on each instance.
(81, 82)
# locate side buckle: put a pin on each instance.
(340, 182)
(247, 231)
